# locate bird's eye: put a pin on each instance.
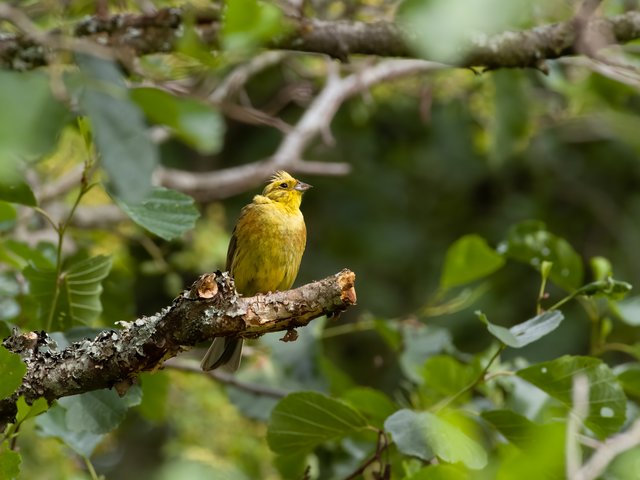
(284, 185)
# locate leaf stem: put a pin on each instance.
(545, 271)
(61, 229)
(348, 328)
(448, 400)
(90, 469)
(381, 446)
(617, 347)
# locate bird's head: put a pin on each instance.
(285, 189)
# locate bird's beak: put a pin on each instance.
(302, 187)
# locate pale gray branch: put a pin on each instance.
(607, 451)
(223, 183)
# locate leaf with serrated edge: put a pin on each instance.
(165, 212)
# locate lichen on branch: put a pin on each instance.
(210, 308)
(129, 35)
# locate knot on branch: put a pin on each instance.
(210, 308)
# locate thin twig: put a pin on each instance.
(479, 379)
(227, 379)
(241, 74)
(51, 40)
(316, 119)
(381, 446)
(57, 188)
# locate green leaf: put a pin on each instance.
(78, 298)
(338, 380)
(444, 376)
(249, 23)
(8, 215)
(448, 304)
(165, 212)
(81, 421)
(469, 258)
(630, 380)
(531, 243)
(120, 134)
(9, 462)
(424, 434)
(291, 466)
(607, 402)
(20, 255)
(624, 466)
(515, 427)
(53, 423)
(194, 122)
(26, 411)
(409, 431)
(16, 190)
(420, 343)
(373, 404)
(541, 457)
(99, 411)
(389, 331)
(609, 287)
(527, 332)
(12, 369)
(31, 120)
(601, 268)
(629, 310)
(303, 420)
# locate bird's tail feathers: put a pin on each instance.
(224, 353)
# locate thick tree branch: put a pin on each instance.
(139, 34)
(211, 308)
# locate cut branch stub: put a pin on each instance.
(210, 308)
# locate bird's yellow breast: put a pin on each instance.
(267, 246)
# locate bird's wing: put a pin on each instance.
(231, 251)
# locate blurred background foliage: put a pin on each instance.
(434, 158)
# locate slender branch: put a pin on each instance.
(223, 183)
(479, 379)
(211, 308)
(381, 445)
(60, 186)
(240, 75)
(604, 452)
(226, 378)
(587, 42)
(607, 451)
(61, 230)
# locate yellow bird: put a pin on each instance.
(264, 253)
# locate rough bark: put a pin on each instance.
(138, 34)
(211, 308)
